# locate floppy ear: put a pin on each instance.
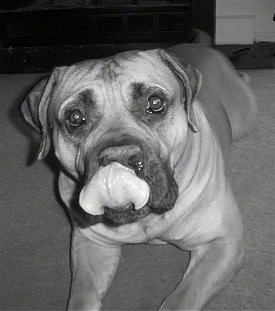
(35, 111)
(191, 80)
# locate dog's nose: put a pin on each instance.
(127, 155)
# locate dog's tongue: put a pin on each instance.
(114, 186)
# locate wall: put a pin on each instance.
(244, 21)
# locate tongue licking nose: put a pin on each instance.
(114, 186)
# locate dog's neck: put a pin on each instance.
(199, 163)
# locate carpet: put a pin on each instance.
(35, 231)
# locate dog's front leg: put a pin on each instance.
(93, 268)
(93, 263)
(211, 267)
(217, 252)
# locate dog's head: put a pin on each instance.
(135, 108)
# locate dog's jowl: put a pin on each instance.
(142, 139)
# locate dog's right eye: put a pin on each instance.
(155, 105)
(76, 118)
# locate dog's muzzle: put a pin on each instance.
(148, 166)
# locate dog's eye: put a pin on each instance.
(76, 118)
(155, 105)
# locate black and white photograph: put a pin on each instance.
(137, 155)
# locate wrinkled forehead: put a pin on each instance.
(124, 68)
(140, 65)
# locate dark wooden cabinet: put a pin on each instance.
(37, 35)
(51, 25)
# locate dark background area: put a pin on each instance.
(37, 35)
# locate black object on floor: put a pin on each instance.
(257, 56)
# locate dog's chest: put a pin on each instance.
(143, 231)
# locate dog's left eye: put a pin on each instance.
(155, 105)
(76, 118)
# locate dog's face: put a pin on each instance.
(134, 109)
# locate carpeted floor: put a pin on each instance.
(35, 232)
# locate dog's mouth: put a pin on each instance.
(125, 214)
(117, 195)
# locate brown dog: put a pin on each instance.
(172, 125)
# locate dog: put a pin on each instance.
(171, 116)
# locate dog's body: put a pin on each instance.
(182, 146)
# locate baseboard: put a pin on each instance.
(264, 36)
